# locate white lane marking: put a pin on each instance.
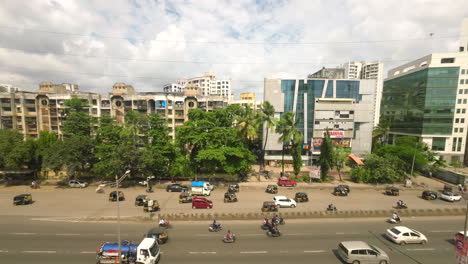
(40, 251)
(194, 252)
(22, 233)
(284, 251)
(420, 249)
(442, 231)
(343, 233)
(115, 234)
(254, 252)
(87, 252)
(314, 251)
(3, 251)
(68, 234)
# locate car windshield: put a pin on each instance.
(395, 231)
(375, 249)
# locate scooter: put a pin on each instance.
(391, 220)
(275, 234)
(230, 239)
(216, 228)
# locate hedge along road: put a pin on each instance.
(23, 240)
(56, 202)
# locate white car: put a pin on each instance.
(404, 235)
(77, 184)
(283, 201)
(451, 197)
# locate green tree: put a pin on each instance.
(107, 150)
(339, 159)
(22, 155)
(380, 132)
(268, 118)
(9, 139)
(77, 120)
(379, 170)
(287, 128)
(326, 156)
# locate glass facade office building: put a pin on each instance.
(422, 102)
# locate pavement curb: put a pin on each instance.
(286, 215)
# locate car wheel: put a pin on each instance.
(356, 262)
(383, 262)
(423, 242)
(402, 242)
(293, 206)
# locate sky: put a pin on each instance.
(149, 43)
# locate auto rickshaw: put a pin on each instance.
(22, 199)
(233, 187)
(272, 189)
(340, 191)
(269, 206)
(140, 200)
(230, 197)
(390, 190)
(185, 197)
(150, 206)
(113, 196)
(429, 195)
(158, 233)
(301, 197)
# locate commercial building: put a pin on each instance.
(32, 112)
(345, 108)
(428, 98)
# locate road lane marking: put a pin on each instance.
(40, 251)
(22, 233)
(195, 252)
(420, 249)
(343, 233)
(314, 251)
(87, 252)
(3, 251)
(284, 251)
(68, 234)
(442, 231)
(254, 252)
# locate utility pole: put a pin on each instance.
(117, 180)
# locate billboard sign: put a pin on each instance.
(335, 134)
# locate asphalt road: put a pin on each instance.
(23, 240)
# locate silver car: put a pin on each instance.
(359, 252)
(77, 184)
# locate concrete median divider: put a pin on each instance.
(286, 215)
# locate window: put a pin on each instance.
(438, 144)
(460, 91)
(406, 234)
(455, 130)
(461, 129)
(463, 71)
(458, 110)
(317, 122)
(459, 101)
(457, 120)
(462, 81)
(459, 144)
(447, 60)
(462, 120)
(454, 144)
(464, 101)
(463, 110)
(465, 91)
(371, 252)
(362, 252)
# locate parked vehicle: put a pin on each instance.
(272, 189)
(284, 181)
(113, 196)
(283, 201)
(404, 235)
(176, 187)
(361, 252)
(147, 252)
(301, 197)
(201, 202)
(450, 196)
(22, 199)
(185, 197)
(230, 197)
(140, 200)
(77, 184)
(429, 195)
(200, 188)
(393, 191)
(269, 206)
(158, 233)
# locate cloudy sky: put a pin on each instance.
(147, 43)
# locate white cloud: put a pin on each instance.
(150, 43)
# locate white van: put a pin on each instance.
(148, 251)
(361, 252)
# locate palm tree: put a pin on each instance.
(381, 131)
(289, 133)
(268, 118)
(248, 123)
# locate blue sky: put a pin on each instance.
(149, 43)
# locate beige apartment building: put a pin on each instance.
(32, 112)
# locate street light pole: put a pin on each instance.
(117, 180)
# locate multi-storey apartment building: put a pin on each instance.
(345, 108)
(247, 99)
(428, 98)
(31, 112)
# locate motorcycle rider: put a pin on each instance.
(331, 207)
(400, 204)
(162, 222)
(275, 220)
(215, 225)
(229, 235)
(395, 217)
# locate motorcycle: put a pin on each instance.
(392, 220)
(216, 228)
(35, 185)
(166, 224)
(230, 239)
(273, 234)
(401, 206)
(332, 209)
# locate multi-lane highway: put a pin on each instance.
(28, 240)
